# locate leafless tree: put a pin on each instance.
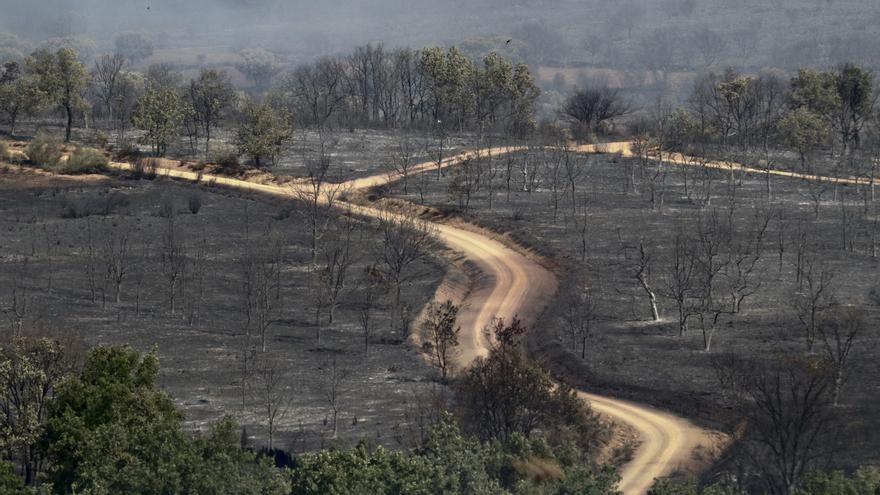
(591, 108)
(196, 275)
(403, 160)
(90, 266)
(335, 261)
(319, 194)
(140, 267)
(579, 312)
(117, 257)
(369, 289)
(679, 279)
(173, 255)
(553, 166)
(19, 305)
(333, 378)
(640, 263)
(442, 333)
(421, 410)
(405, 239)
(711, 265)
(105, 75)
(816, 295)
(839, 331)
(464, 183)
(790, 421)
(274, 395)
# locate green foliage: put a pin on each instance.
(865, 481)
(504, 395)
(111, 430)
(667, 486)
(448, 463)
(10, 484)
(460, 91)
(44, 152)
(223, 468)
(29, 370)
(84, 160)
(62, 77)
(20, 95)
(361, 471)
(159, 113)
(263, 133)
(803, 130)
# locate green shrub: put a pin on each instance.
(226, 159)
(84, 161)
(44, 151)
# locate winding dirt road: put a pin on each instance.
(514, 283)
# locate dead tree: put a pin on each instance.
(403, 160)
(710, 264)
(679, 279)
(641, 263)
(173, 252)
(117, 257)
(442, 333)
(405, 239)
(579, 312)
(319, 194)
(790, 422)
(336, 258)
(333, 378)
(19, 305)
(90, 266)
(369, 289)
(815, 296)
(140, 267)
(274, 395)
(839, 330)
(197, 274)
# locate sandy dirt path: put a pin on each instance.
(517, 285)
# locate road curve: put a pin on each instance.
(518, 285)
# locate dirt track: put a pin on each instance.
(518, 285)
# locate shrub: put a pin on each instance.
(102, 139)
(145, 168)
(84, 161)
(226, 160)
(128, 151)
(4, 152)
(195, 203)
(44, 151)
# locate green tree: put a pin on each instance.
(110, 430)
(360, 470)
(442, 333)
(210, 95)
(159, 113)
(804, 131)
(855, 102)
(263, 133)
(63, 77)
(20, 95)
(223, 468)
(29, 371)
(865, 481)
